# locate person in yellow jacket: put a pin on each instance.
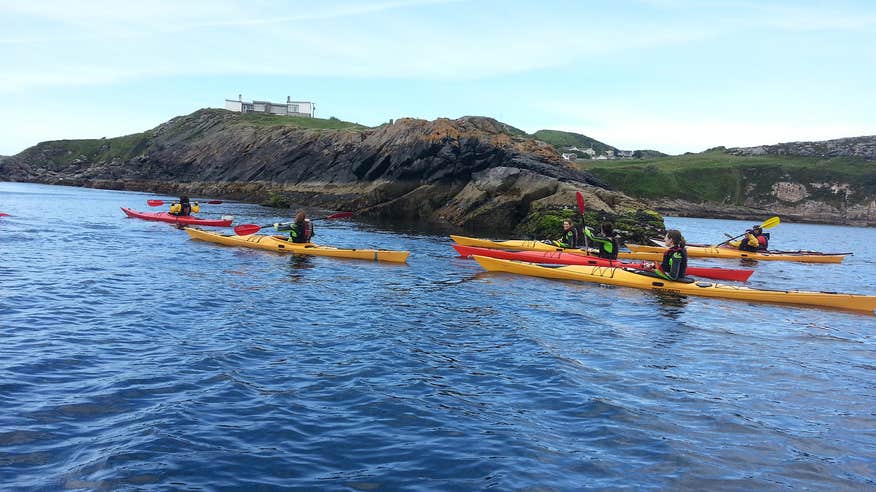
(183, 207)
(749, 241)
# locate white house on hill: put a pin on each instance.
(289, 108)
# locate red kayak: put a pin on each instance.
(176, 219)
(560, 258)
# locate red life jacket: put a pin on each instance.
(763, 242)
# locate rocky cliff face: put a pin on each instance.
(470, 172)
(860, 147)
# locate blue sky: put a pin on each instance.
(671, 75)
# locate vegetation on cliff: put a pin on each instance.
(795, 185)
(717, 176)
(560, 139)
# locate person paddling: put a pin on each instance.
(607, 242)
(763, 238)
(569, 239)
(748, 242)
(183, 207)
(674, 265)
(300, 231)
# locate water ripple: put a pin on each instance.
(135, 358)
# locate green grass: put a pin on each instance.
(104, 149)
(271, 120)
(561, 139)
(716, 176)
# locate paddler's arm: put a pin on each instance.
(607, 245)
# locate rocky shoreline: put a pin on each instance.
(810, 213)
(470, 173)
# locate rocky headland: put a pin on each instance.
(473, 173)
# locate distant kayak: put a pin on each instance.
(713, 252)
(282, 245)
(561, 258)
(177, 219)
(624, 278)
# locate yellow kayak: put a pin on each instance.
(713, 252)
(518, 245)
(280, 244)
(628, 278)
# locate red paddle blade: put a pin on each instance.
(246, 229)
(155, 203)
(340, 215)
(214, 202)
(580, 198)
(4, 215)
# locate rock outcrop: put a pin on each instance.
(857, 147)
(473, 172)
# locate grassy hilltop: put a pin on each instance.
(720, 177)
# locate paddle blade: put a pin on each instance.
(246, 229)
(580, 198)
(155, 203)
(214, 202)
(339, 215)
(769, 223)
(4, 215)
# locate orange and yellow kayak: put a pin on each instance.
(627, 278)
(281, 244)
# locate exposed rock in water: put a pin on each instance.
(470, 172)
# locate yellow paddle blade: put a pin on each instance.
(771, 222)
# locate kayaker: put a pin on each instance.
(300, 231)
(763, 239)
(607, 242)
(569, 238)
(183, 207)
(674, 265)
(749, 241)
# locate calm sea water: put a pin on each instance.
(135, 358)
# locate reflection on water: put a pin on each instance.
(671, 304)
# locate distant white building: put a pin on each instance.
(289, 108)
(589, 151)
(570, 157)
(625, 154)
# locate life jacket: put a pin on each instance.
(308, 230)
(749, 243)
(674, 264)
(175, 208)
(196, 208)
(608, 246)
(569, 239)
(301, 233)
(763, 242)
